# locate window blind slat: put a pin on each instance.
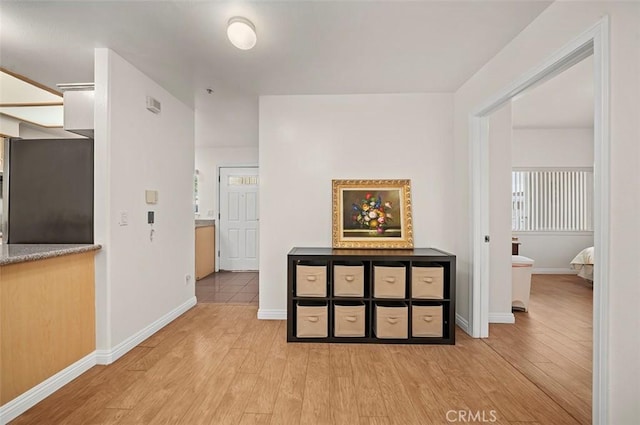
(555, 200)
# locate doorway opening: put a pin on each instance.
(594, 42)
(237, 239)
(541, 192)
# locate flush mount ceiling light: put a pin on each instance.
(241, 33)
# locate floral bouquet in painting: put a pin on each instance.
(372, 213)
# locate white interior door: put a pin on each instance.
(239, 218)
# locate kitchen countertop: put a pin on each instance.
(19, 253)
(205, 223)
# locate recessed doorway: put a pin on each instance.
(239, 218)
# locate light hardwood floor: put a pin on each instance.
(218, 364)
(551, 345)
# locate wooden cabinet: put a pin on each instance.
(371, 296)
(205, 251)
(47, 320)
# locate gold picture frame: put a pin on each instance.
(372, 214)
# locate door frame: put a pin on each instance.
(217, 214)
(594, 41)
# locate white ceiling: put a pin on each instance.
(310, 47)
(565, 101)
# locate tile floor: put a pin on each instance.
(228, 288)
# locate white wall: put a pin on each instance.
(500, 220)
(226, 119)
(306, 141)
(208, 159)
(553, 252)
(553, 147)
(557, 25)
(138, 281)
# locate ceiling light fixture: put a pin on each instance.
(241, 33)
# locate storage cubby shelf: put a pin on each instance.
(420, 271)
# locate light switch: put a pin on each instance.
(151, 196)
(123, 219)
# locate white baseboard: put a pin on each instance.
(553, 271)
(463, 323)
(105, 357)
(502, 318)
(35, 395)
(264, 314)
(25, 401)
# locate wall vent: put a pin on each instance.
(153, 105)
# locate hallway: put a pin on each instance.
(228, 287)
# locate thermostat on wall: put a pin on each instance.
(151, 196)
(153, 105)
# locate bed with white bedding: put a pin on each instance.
(583, 263)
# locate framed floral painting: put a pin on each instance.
(372, 214)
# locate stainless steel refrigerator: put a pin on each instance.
(48, 191)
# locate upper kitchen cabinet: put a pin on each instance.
(78, 108)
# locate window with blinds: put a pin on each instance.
(552, 200)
